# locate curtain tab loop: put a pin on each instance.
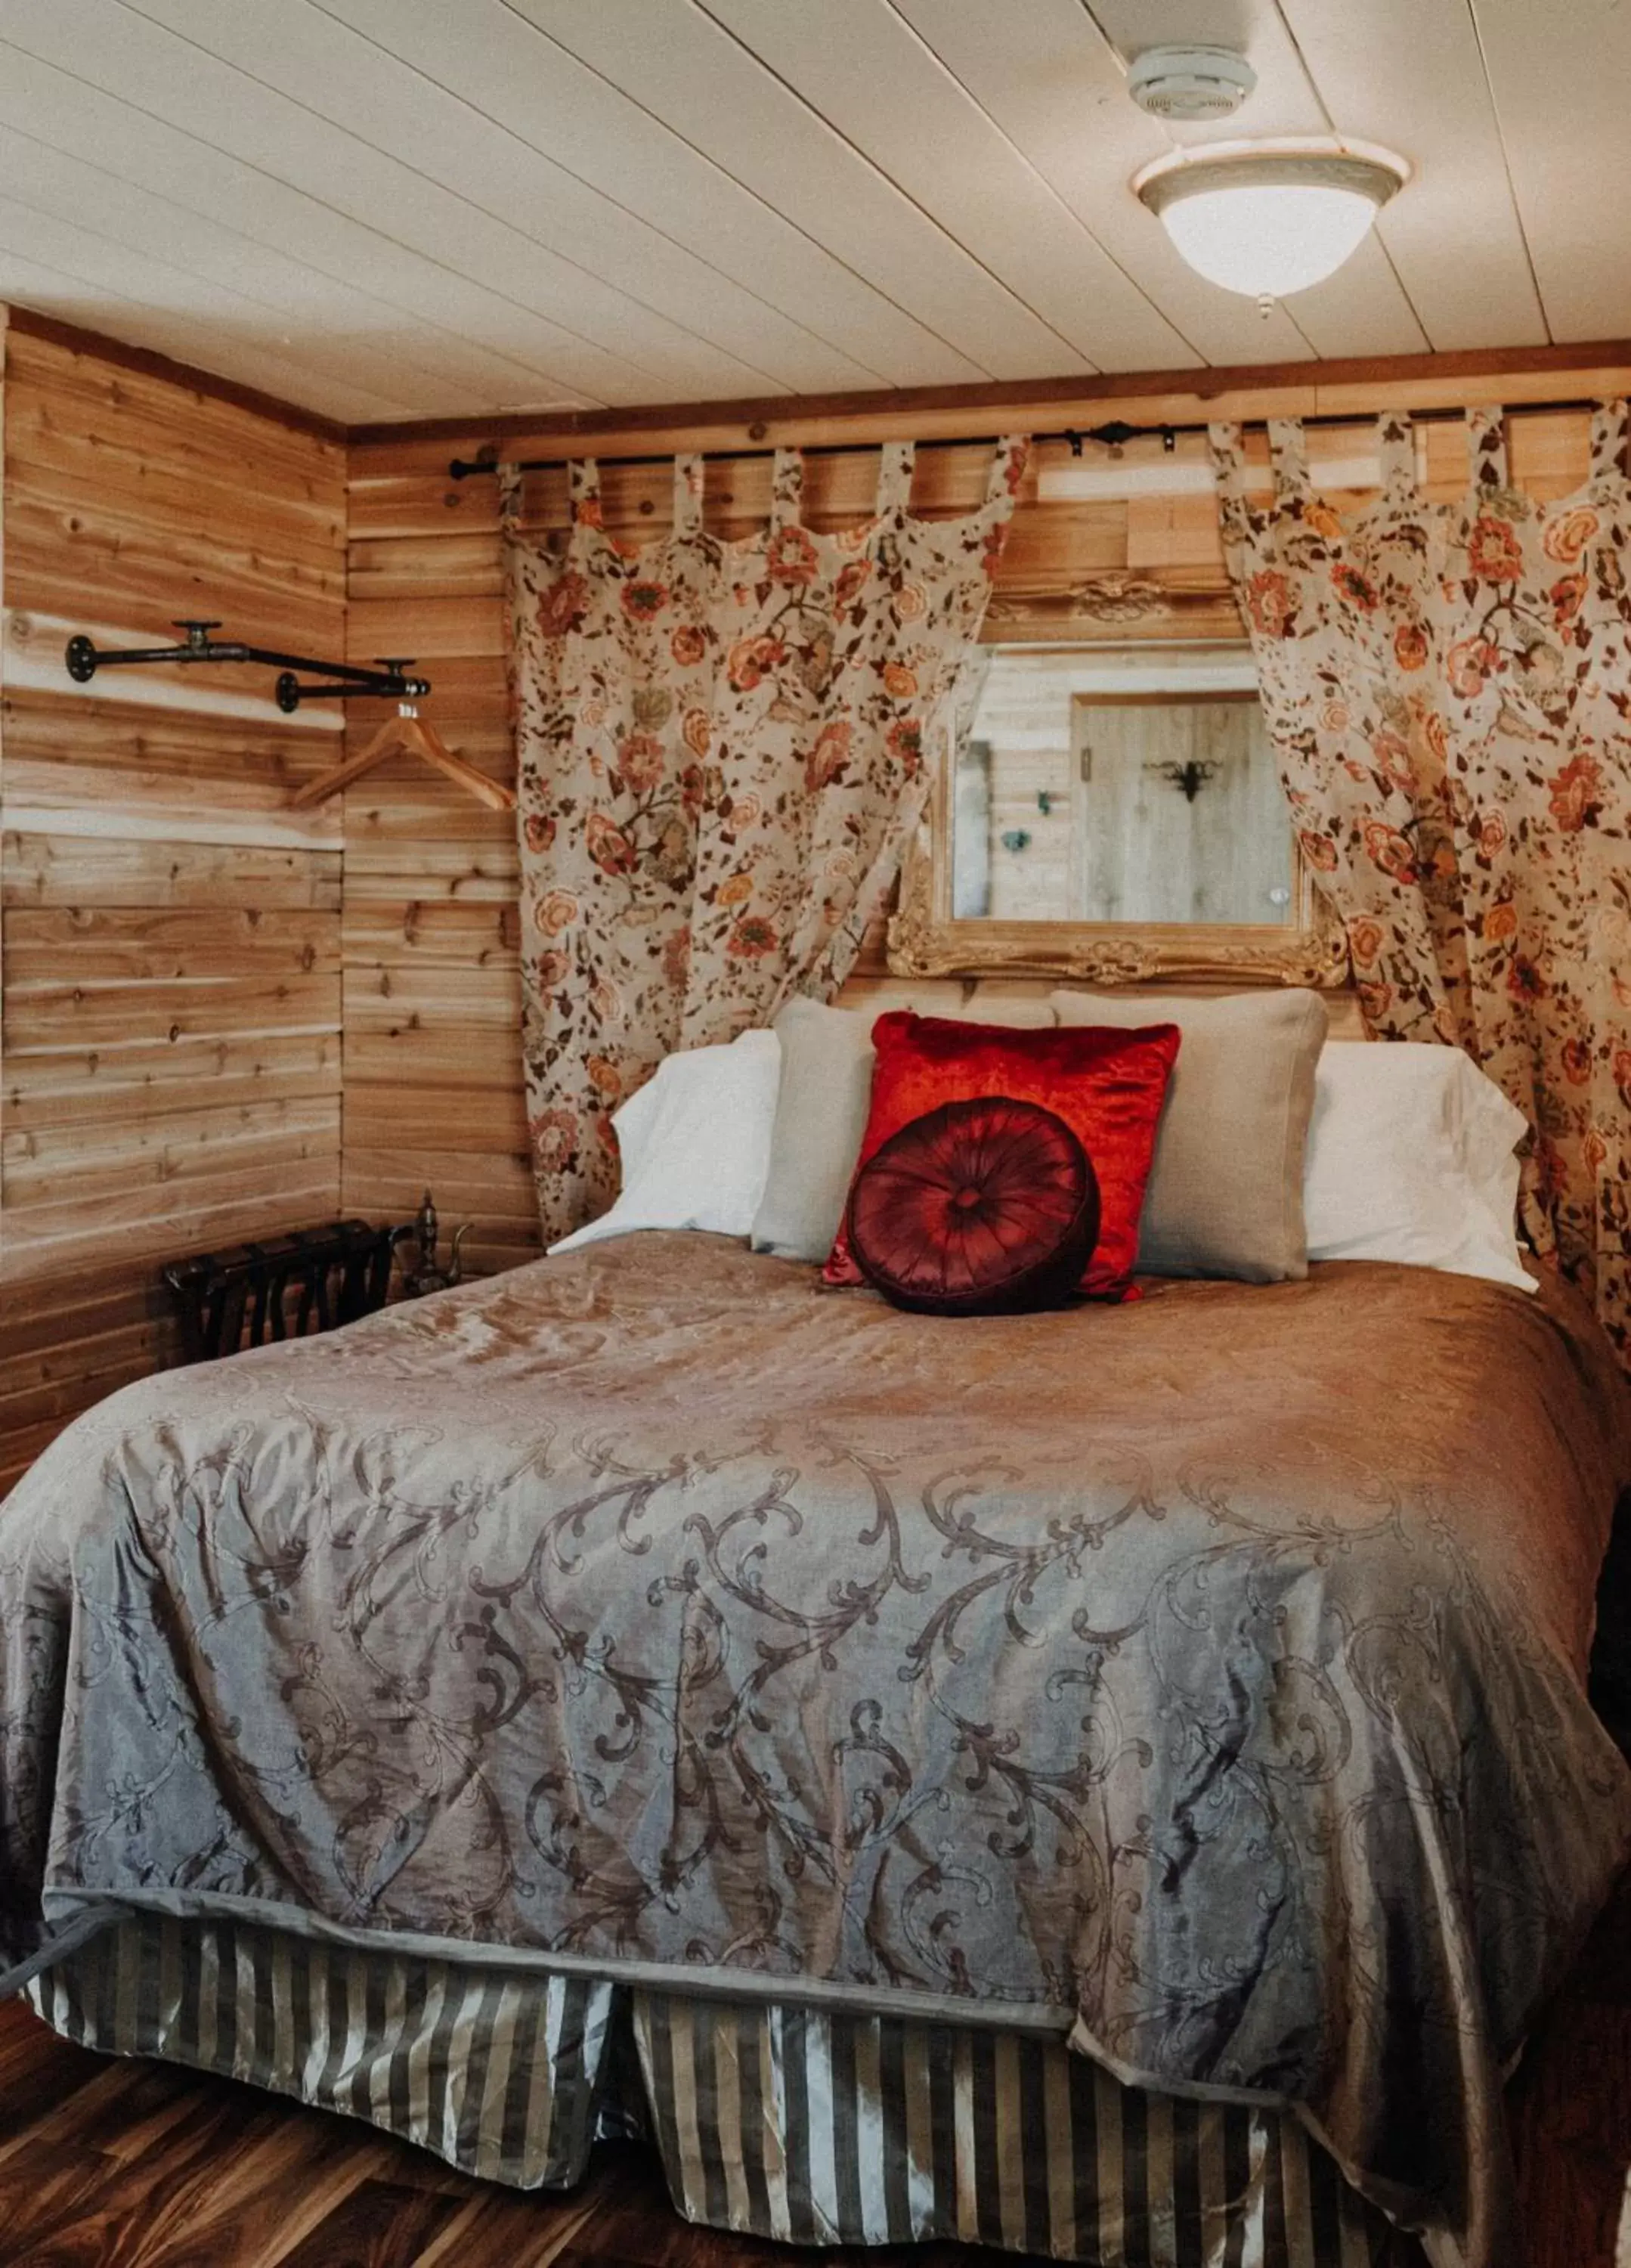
(688, 495)
(1486, 447)
(1609, 428)
(787, 488)
(1226, 447)
(583, 485)
(512, 481)
(1396, 450)
(896, 462)
(1287, 457)
(1009, 460)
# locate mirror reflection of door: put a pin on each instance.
(1100, 785)
(971, 832)
(1180, 816)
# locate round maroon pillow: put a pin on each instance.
(981, 1208)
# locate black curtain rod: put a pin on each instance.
(1112, 436)
(463, 468)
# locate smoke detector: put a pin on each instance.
(1197, 83)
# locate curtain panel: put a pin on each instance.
(722, 752)
(1448, 686)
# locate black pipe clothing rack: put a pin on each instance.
(1112, 437)
(343, 678)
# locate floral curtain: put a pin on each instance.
(1449, 689)
(722, 755)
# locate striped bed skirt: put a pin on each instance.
(773, 2119)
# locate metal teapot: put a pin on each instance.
(427, 1274)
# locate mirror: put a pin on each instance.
(1094, 787)
(1113, 813)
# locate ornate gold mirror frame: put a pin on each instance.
(925, 939)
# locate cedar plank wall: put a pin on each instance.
(171, 1065)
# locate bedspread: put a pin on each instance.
(1203, 1676)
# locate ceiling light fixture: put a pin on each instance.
(1266, 218)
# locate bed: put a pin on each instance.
(1115, 1784)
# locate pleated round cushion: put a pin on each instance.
(977, 1208)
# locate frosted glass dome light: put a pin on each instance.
(1266, 218)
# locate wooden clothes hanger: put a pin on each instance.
(406, 734)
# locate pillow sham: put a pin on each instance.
(1225, 1194)
(696, 1143)
(821, 1110)
(1106, 1086)
(1411, 1157)
(981, 1208)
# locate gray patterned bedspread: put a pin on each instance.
(1205, 1674)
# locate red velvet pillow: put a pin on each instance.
(1108, 1085)
(986, 1208)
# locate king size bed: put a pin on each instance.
(1117, 1784)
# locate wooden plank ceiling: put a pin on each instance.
(390, 209)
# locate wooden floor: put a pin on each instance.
(106, 2163)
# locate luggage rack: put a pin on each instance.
(281, 1287)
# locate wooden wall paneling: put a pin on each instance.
(44, 868)
(433, 1091)
(170, 933)
(60, 1087)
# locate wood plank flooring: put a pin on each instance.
(111, 2163)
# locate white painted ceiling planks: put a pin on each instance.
(396, 208)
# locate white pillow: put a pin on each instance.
(1411, 1157)
(696, 1143)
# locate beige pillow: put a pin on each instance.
(821, 1113)
(1226, 1193)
